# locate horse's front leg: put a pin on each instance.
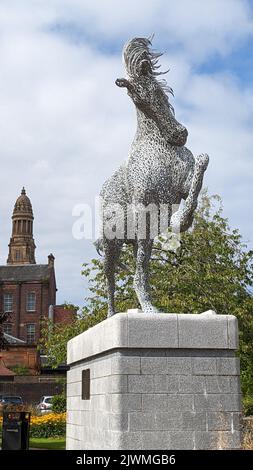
(111, 256)
(182, 219)
(142, 251)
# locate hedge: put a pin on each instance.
(48, 425)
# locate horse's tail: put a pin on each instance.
(99, 245)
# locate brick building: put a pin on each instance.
(27, 290)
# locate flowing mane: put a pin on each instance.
(137, 52)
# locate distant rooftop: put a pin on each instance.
(22, 273)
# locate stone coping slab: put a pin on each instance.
(135, 329)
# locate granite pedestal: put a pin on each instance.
(155, 381)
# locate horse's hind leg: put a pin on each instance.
(112, 250)
(142, 252)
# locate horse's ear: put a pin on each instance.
(145, 67)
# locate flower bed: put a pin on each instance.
(248, 433)
(49, 425)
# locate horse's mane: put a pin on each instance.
(135, 53)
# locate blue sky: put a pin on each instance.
(65, 126)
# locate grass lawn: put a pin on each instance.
(51, 443)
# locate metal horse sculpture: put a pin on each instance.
(159, 169)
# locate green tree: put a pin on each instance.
(212, 269)
(3, 343)
(59, 403)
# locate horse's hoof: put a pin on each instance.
(150, 309)
(202, 161)
(110, 314)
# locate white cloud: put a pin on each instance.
(199, 27)
(65, 126)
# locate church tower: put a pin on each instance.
(22, 246)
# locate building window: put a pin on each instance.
(30, 333)
(31, 302)
(8, 303)
(7, 327)
(17, 255)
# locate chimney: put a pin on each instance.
(51, 259)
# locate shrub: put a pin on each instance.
(20, 370)
(59, 403)
(248, 405)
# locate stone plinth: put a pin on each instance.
(159, 381)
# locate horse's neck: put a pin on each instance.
(146, 127)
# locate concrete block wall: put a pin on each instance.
(156, 397)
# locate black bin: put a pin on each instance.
(16, 425)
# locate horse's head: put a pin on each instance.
(149, 94)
